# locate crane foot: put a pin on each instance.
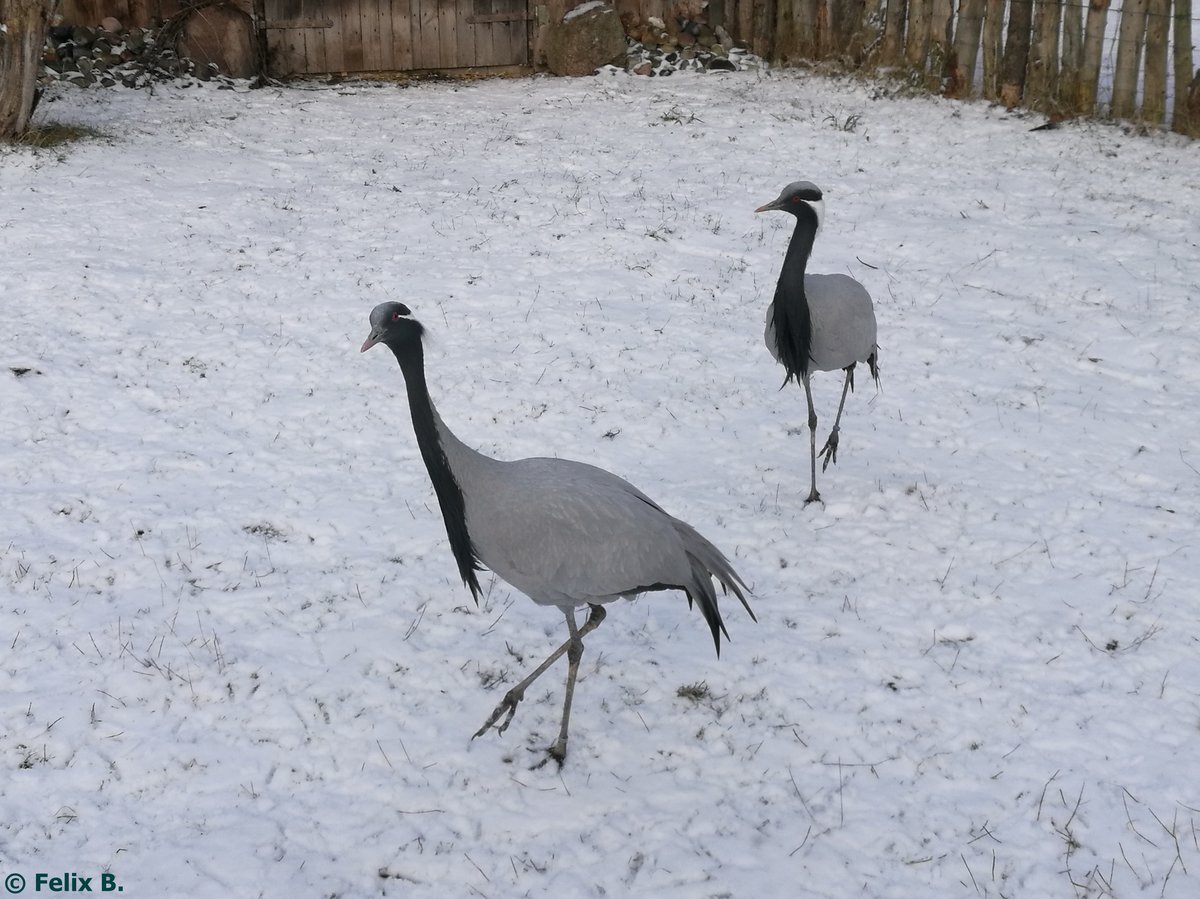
(507, 708)
(829, 450)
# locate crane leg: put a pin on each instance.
(813, 496)
(558, 750)
(508, 705)
(829, 451)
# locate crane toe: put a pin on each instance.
(829, 450)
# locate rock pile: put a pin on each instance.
(109, 54)
(684, 43)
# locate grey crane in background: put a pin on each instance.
(817, 322)
(564, 533)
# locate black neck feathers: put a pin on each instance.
(792, 318)
(445, 485)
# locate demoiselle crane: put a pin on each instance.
(564, 533)
(817, 322)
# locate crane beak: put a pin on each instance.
(373, 338)
(774, 204)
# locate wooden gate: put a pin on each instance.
(319, 36)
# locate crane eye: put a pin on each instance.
(795, 198)
(396, 316)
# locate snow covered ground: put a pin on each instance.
(235, 656)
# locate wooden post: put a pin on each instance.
(941, 43)
(966, 48)
(846, 23)
(1093, 49)
(1067, 94)
(1042, 77)
(892, 51)
(1016, 54)
(764, 28)
(21, 42)
(745, 22)
(1185, 117)
(864, 40)
(1154, 87)
(993, 36)
(788, 42)
(1130, 35)
(917, 47)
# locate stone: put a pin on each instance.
(110, 24)
(587, 38)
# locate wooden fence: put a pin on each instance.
(1063, 57)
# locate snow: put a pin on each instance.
(585, 8)
(235, 657)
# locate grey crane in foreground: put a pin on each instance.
(564, 533)
(817, 322)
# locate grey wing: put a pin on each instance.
(769, 332)
(566, 533)
(843, 317)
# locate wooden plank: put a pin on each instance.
(298, 24)
(425, 34)
(402, 37)
(387, 31)
(489, 18)
(1131, 35)
(352, 37)
(285, 52)
(368, 23)
(314, 38)
(466, 33)
(335, 46)
(518, 33)
(448, 33)
(483, 32)
(1154, 82)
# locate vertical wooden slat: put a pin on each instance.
(1130, 35)
(966, 48)
(892, 51)
(335, 38)
(389, 25)
(941, 41)
(1154, 87)
(485, 35)
(518, 32)
(993, 36)
(465, 35)
(402, 42)
(916, 47)
(1072, 57)
(426, 48)
(372, 37)
(1185, 112)
(286, 49)
(352, 38)
(863, 39)
(1093, 49)
(1016, 53)
(1042, 77)
(314, 50)
(745, 22)
(447, 36)
(763, 28)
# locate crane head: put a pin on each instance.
(392, 324)
(797, 198)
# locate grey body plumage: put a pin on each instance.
(564, 533)
(817, 322)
